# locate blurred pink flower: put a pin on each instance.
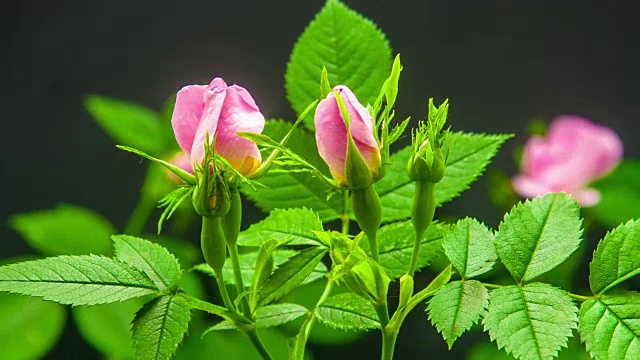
(220, 111)
(331, 133)
(574, 153)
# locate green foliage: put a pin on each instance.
(468, 158)
(395, 245)
(469, 246)
(348, 312)
(248, 267)
(617, 258)
(108, 327)
(532, 321)
(158, 328)
(29, 327)
(283, 190)
(232, 345)
(289, 275)
(129, 124)
(152, 259)
(610, 326)
(456, 307)
(269, 316)
(354, 51)
(293, 226)
(76, 280)
(620, 195)
(65, 230)
(538, 235)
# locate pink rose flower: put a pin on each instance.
(574, 153)
(331, 133)
(220, 111)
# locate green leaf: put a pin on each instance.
(268, 316)
(395, 246)
(65, 230)
(290, 274)
(348, 312)
(76, 280)
(263, 268)
(30, 327)
(152, 259)
(617, 258)
(469, 156)
(538, 235)
(531, 322)
(108, 327)
(620, 195)
(469, 246)
(295, 226)
(129, 124)
(456, 307)
(158, 328)
(310, 192)
(354, 51)
(610, 326)
(248, 267)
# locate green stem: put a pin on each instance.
(226, 299)
(344, 217)
(257, 343)
(305, 330)
(389, 337)
(416, 252)
(237, 275)
(422, 210)
(368, 212)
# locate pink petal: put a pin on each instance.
(361, 126)
(213, 99)
(529, 187)
(239, 114)
(586, 197)
(331, 136)
(186, 114)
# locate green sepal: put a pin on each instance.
(428, 160)
(325, 86)
(183, 175)
(357, 172)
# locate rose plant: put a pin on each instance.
(334, 169)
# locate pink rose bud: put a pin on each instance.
(574, 153)
(331, 134)
(219, 111)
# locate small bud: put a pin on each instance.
(406, 289)
(428, 162)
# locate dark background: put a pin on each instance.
(501, 63)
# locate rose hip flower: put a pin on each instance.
(331, 134)
(574, 153)
(219, 111)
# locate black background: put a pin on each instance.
(500, 63)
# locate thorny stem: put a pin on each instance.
(257, 343)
